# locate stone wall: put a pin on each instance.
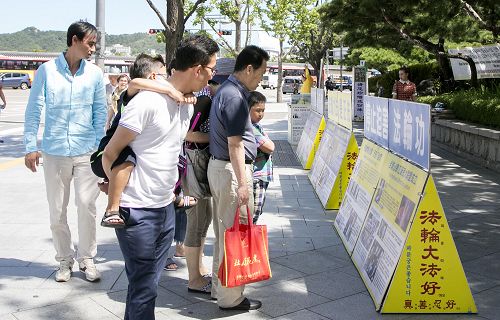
(476, 143)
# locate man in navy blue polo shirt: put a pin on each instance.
(233, 149)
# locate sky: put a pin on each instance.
(122, 16)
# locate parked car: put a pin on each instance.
(15, 80)
(291, 85)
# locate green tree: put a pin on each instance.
(281, 15)
(423, 23)
(313, 34)
(174, 22)
(384, 59)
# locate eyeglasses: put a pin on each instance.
(214, 71)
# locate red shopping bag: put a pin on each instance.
(246, 257)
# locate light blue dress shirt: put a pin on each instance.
(75, 108)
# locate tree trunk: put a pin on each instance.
(249, 26)
(175, 20)
(279, 87)
(472, 66)
(237, 38)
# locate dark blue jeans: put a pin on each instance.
(180, 224)
(145, 242)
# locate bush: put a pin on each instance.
(475, 105)
(418, 72)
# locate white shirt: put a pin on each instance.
(161, 125)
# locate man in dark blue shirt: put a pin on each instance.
(233, 149)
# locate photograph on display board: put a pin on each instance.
(369, 230)
(404, 213)
(382, 229)
(373, 259)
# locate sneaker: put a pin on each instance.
(65, 270)
(87, 266)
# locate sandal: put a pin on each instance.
(171, 267)
(112, 215)
(185, 202)
(206, 289)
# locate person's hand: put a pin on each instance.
(190, 98)
(176, 95)
(243, 195)
(32, 160)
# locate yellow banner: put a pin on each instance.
(344, 175)
(386, 226)
(429, 277)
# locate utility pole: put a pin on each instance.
(101, 34)
(341, 66)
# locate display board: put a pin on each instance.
(359, 91)
(429, 277)
(376, 125)
(359, 193)
(486, 59)
(310, 139)
(409, 131)
(397, 234)
(340, 108)
(333, 164)
(386, 226)
(298, 112)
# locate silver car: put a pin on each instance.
(292, 85)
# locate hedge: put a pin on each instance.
(418, 72)
(478, 106)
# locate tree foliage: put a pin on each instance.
(178, 12)
(384, 59)
(423, 23)
(33, 40)
(314, 34)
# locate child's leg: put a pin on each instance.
(259, 191)
(118, 180)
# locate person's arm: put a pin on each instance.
(2, 96)
(121, 138)
(109, 118)
(36, 103)
(395, 90)
(137, 84)
(99, 111)
(267, 147)
(414, 95)
(265, 144)
(197, 137)
(237, 156)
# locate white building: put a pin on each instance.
(118, 49)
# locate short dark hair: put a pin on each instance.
(405, 69)
(250, 55)
(194, 50)
(255, 98)
(144, 65)
(171, 67)
(79, 29)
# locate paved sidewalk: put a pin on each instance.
(313, 277)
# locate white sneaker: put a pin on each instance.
(87, 266)
(65, 270)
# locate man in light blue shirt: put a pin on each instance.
(72, 91)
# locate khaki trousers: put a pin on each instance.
(58, 172)
(224, 186)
